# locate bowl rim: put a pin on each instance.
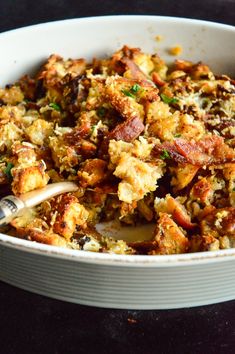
(108, 258)
(103, 18)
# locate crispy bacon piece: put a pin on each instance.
(128, 130)
(171, 149)
(179, 213)
(28, 86)
(144, 247)
(75, 90)
(209, 150)
(222, 125)
(135, 71)
(77, 139)
(196, 71)
(157, 80)
(77, 134)
(183, 65)
(123, 61)
(201, 190)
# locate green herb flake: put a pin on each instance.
(55, 106)
(177, 135)
(128, 93)
(233, 189)
(93, 128)
(167, 99)
(7, 170)
(101, 112)
(135, 88)
(165, 155)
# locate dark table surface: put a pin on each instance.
(31, 323)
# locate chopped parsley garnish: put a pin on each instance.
(177, 135)
(55, 106)
(167, 99)
(93, 128)
(7, 170)
(233, 189)
(132, 92)
(101, 111)
(128, 93)
(165, 155)
(135, 88)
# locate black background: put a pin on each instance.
(17, 13)
(31, 323)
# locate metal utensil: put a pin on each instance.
(11, 206)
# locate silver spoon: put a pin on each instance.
(11, 206)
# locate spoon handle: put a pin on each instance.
(11, 205)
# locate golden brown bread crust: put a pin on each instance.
(29, 178)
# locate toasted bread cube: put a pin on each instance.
(9, 133)
(56, 68)
(25, 153)
(138, 178)
(176, 209)
(65, 157)
(182, 175)
(169, 237)
(39, 131)
(11, 95)
(92, 172)
(26, 179)
(48, 238)
(68, 213)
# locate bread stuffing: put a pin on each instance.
(145, 142)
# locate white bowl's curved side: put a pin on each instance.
(119, 286)
(113, 260)
(107, 280)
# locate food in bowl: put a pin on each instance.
(146, 142)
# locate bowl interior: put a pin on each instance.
(25, 49)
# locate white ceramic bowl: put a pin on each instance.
(132, 282)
